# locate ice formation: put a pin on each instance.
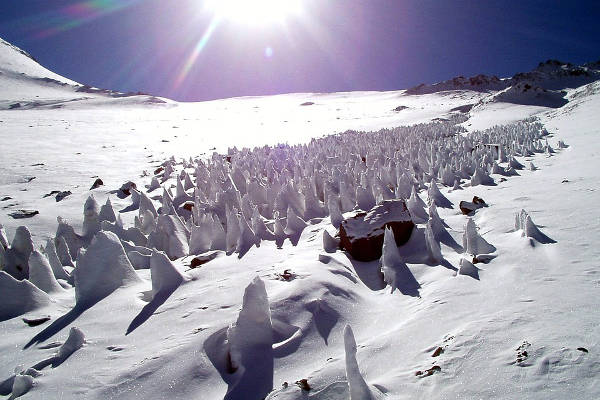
(250, 342)
(102, 268)
(330, 244)
(473, 243)
(55, 264)
(15, 258)
(62, 250)
(165, 277)
(170, 236)
(359, 390)
(91, 220)
(434, 252)
(279, 190)
(21, 385)
(436, 197)
(467, 268)
(41, 275)
(524, 223)
(395, 271)
(19, 297)
(107, 213)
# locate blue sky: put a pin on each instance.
(335, 45)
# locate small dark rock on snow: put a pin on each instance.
(196, 262)
(125, 189)
(303, 384)
(428, 372)
(479, 200)
(20, 214)
(60, 196)
(97, 183)
(159, 170)
(52, 193)
(36, 321)
(468, 207)
(287, 275)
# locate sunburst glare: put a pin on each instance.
(257, 12)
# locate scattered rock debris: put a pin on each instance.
(522, 352)
(428, 372)
(437, 352)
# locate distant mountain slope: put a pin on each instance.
(25, 84)
(549, 75)
(14, 61)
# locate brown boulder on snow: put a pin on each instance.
(362, 234)
(468, 207)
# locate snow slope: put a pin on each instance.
(527, 328)
(26, 84)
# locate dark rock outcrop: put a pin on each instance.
(362, 234)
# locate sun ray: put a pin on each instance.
(191, 60)
(256, 12)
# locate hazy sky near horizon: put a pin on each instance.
(181, 49)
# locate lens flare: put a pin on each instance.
(65, 18)
(256, 12)
(191, 60)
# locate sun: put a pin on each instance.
(255, 12)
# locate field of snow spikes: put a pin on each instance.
(230, 203)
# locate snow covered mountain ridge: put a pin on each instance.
(20, 69)
(25, 84)
(549, 75)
